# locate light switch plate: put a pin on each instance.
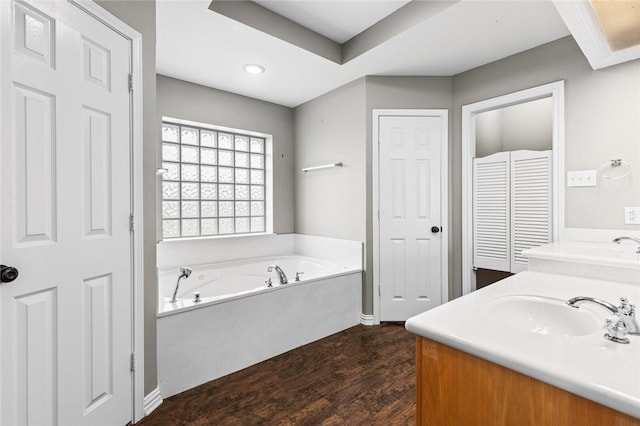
(581, 178)
(632, 215)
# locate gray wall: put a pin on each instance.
(601, 123)
(523, 126)
(337, 127)
(188, 101)
(329, 129)
(141, 15)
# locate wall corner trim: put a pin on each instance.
(152, 401)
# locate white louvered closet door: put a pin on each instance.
(511, 208)
(491, 206)
(530, 204)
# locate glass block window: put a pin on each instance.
(214, 182)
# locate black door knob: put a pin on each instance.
(435, 229)
(8, 273)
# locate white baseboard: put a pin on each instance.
(152, 401)
(367, 319)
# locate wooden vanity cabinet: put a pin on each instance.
(458, 389)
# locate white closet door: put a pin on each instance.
(530, 203)
(491, 201)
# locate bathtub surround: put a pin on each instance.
(199, 251)
(222, 282)
(219, 336)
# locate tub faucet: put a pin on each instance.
(282, 277)
(637, 240)
(183, 272)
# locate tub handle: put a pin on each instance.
(196, 297)
(268, 282)
(298, 275)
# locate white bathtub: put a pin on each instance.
(240, 321)
(230, 280)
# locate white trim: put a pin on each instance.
(469, 112)
(137, 290)
(581, 21)
(152, 401)
(444, 198)
(366, 319)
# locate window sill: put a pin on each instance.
(217, 237)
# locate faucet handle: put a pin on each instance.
(298, 275)
(626, 308)
(268, 282)
(616, 330)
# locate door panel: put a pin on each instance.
(409, 202)
(66, 321)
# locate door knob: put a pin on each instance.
(435, 229)
(8, 273)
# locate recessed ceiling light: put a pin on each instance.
(254, 68)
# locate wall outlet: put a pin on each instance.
(632, 215)
(581, 178)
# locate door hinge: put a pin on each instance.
(378, 214)
(131, 223)
(133, 361)
(131, 82)
(379, 291)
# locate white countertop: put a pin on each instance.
(587, 365)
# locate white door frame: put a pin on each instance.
(137, 239)
(444, 197)
(469, 113)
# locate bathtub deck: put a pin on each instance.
(363, 375)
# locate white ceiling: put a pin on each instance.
(203, 47)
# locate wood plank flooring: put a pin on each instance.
(362, 376)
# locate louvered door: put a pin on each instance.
(491, 206)
(530, 203)
(511, 208)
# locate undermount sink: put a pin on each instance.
(542, 315)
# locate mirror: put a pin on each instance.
(532, 119)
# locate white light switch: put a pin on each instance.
(581, 178)
(632, 215)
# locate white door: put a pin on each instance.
(411, 276)
(65, 194)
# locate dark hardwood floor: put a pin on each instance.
(361, 376)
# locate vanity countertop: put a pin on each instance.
(587, 365)
(605, 254)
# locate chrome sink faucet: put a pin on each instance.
(573, 302)
(626, 317)
(637, 240)
(282, 277)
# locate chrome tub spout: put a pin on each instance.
(282, 277)
(183, 272)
